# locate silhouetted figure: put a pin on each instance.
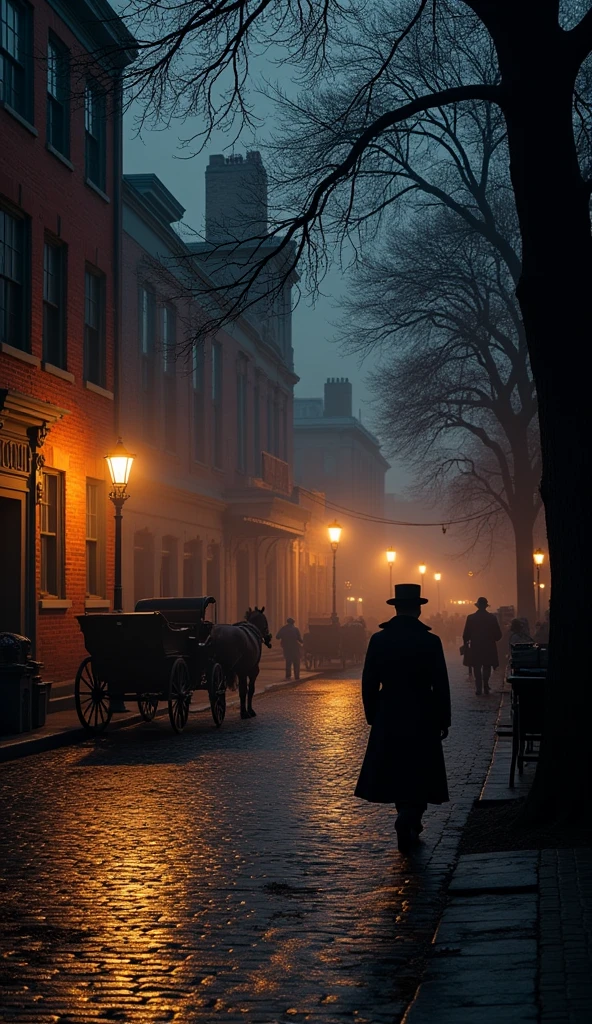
(518, 633)
(291, 641)
(407, 703)
(482, 632)
(238, 649)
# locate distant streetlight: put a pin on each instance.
(539, 558)
(422, 571)
(391, 554)
(334, 531)
(438, 577)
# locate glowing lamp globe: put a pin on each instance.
(334, 532)
(423, 569)
(391, 554)
(437, 576)
(120, 465)
(539, 556)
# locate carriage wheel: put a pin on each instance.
(179, 695)
(217, 691)
(92, 699)
(147, 706)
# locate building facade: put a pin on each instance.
(60, 171)
(213, 508)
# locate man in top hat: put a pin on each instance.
(482, 632)
(407, 704)
(291, 641)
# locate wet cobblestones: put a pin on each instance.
(223, 874)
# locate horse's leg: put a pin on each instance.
(252, 678)
(242, 692)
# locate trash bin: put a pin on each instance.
(17, 673)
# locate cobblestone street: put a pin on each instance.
(150, 877)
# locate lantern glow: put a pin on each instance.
(391, 554)
(120, 465)
(334, 531)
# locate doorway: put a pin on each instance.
(11, 564)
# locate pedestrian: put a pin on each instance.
(482, 632)
(519, 633)
(291, 641)
(406, 700)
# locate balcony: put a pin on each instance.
(276, 473)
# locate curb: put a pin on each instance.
(70, 737)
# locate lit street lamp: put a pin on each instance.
(422, 572)
(120, 466)
(539, 558)
(438, 577)
(334, 532)
(391, 554)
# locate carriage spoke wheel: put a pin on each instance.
(147, 706)
(179, 695)
(92, 699)
(217, 691)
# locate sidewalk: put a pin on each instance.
(62, 728)
(514, 943)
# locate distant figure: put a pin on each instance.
(291, 641)
(519, 633)
(482, 632)
(407, 704)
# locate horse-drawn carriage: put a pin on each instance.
(326, 641)
(159, 652)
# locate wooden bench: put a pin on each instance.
(528, 705)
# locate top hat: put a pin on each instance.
(407, 593)
(481, 602)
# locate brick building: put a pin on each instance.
(60, 174)
(213, 508)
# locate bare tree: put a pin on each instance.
(195, 59)
(455, 397)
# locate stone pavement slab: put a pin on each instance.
(488, 872)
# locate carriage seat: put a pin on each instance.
(178, 611)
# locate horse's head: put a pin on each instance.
(258, 619)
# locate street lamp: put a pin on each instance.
(438, 577)
(422, 572)
(334, 531)
(120, 466)
(391, 554)
(539, 558)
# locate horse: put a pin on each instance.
(238, 649)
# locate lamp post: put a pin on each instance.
(539, 558)
(334, 531)
(120, 465)
(391, 554)
(422, 572)
(438, 577)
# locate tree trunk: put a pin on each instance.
(523, 524)
(553, 210)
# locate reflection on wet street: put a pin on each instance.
(150, 877)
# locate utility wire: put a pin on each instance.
(368, 518)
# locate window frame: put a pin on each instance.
(99, 540)
(60, 100)
(147, 326)
(198, 394)
(58, 535)
(95, 135)
(23, 340)
(24, 61)
(168, 325)
(241, 414)
(217, 395)
(50, 243)
(93, 273)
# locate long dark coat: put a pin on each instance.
(407, 702)
(482, 632)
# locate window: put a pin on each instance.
(197, 379)
(52, 534)
(58, 96)
(168, 567)
(94, 135)
(147, 315)
(95, 354)
(241, 415)
(217, 442)
(12, 284)
(257, 427)
(16, 69)
(54, 305)
(95, 538)
(269, 409)
(168, 334)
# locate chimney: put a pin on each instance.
(338, 397)
(236, 197)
